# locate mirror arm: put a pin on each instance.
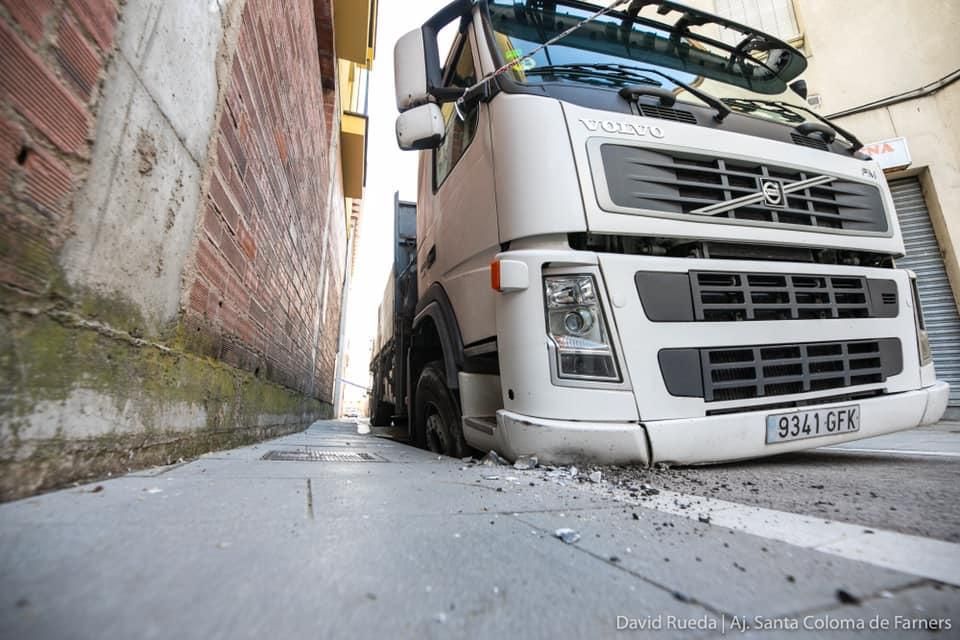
(445, 94)
(480, 93)
(430, 28)
(453, 94)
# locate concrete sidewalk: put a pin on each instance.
(401, 543)
(941, 439)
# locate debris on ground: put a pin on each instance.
(704, 518)
(846, 597)
(559, 474)
(526, 463)
(96, 489)
(569, 536)
(647, 490)
(154, 490)
(493, 459)
(596, 476)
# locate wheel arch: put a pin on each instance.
(436, 336)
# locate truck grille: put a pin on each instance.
(759, 371)
(735, 296)
(727, 188)
(719, 296)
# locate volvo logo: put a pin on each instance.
(773, 194)
(616, 126)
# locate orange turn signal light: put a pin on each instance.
(495, 275)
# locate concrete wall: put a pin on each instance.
(171, 230)
(865, 50)
(135, 215)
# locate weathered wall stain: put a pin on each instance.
(111, 160)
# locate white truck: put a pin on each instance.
(636, 244)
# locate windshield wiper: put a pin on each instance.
(638, 74)
(855, 143)
(750, 106)
(595, 71)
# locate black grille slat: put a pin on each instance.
(719, 187)
(719, 296)
(667, 113)
(813, 143)
(681, 183)
(736, 373)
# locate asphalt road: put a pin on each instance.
(907, 482)
(331, 534)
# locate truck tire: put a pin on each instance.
(437, 415)
(382, 414)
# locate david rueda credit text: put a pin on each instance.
(806, 623)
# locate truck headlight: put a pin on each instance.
(576, 326)
(923, 340)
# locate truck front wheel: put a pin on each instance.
(438, 414)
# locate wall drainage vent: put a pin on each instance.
(313, 455)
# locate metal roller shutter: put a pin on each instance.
(936, 297)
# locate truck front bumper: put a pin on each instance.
(702, 440)
(571, 441)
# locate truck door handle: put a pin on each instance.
(431, 257)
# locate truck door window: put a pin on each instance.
(458, 133)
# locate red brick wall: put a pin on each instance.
(272, 228)
(52, 57)
(271, 243)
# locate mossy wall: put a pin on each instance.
(80, 399)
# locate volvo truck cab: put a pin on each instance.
(635, 244)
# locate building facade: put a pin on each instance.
(176, 182)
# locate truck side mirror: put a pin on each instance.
(410, 70)
(417, 73)
(420, 127)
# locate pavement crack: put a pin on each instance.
(683, 597)
(309, 500)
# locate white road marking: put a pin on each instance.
(906, 452)
(924, 557)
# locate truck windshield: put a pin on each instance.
(746, 69)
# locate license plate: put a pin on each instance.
(799, 425)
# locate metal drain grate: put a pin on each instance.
(313, 455)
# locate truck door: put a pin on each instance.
(464, 235)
